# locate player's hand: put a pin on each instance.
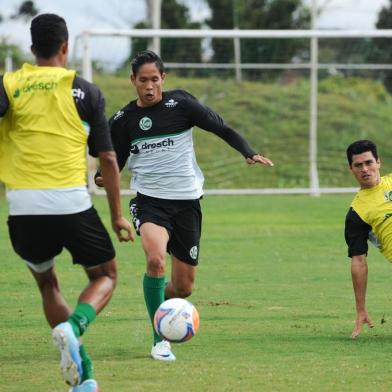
(121, 225)
(259, 159)
(98, 181)
(362, 318)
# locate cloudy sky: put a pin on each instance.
(102, 14)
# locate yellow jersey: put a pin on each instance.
(374, 207)
(42, 138)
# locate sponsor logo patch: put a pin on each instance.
(151, 146)
(171, 103)
(134, 149)
(78, 93)
(118, 115)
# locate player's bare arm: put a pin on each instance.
(109, 169)
(359, 274)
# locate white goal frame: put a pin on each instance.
(313, 35)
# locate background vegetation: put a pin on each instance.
(274, 117)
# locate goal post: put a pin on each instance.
(312, 67)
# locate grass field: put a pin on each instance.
(274, 295)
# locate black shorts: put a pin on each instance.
(181, 218)
(39, 238)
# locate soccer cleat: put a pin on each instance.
(162, 351)
(89, 385)
(70, 362)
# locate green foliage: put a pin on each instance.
(174, 15)
(275, 120)
(18, 57)
(26, 10)
(384, 45)
(259, 14)
(222, 18)
(275, 299)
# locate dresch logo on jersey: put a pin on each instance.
(145, 123)
(134, 149)
(39, 86)
(164, 143)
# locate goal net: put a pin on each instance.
(298, 96)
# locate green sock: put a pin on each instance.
(154, 295)
(83, 315)
(87, 365)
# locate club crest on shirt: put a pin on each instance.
(193, 252)
(388, 195)
(145, 123)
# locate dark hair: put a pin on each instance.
(359, 147)
(147, 57)
(48, 33)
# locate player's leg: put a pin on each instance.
(90, 245)
(184, 249)
(102, 282)
(56, 309)
(37, 240)
(151, 219)
(154, 241)
(182, 279)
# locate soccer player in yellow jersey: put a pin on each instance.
(50, 116)
(369, 218)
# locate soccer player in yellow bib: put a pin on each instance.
(50, 116)
(369, 218)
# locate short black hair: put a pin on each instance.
(48, 33)
(359, 147)
(147, 57)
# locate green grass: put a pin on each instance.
(274, 117)
(274, 295)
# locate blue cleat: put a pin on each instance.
(89, 385)
(70, 362)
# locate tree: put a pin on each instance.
(25, 11)
(173, 16)
(259, 15)
(383, 45)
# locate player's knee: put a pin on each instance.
(183, 291)
(155, 264)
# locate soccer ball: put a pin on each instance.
(176, 320)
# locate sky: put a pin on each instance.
(82, 15)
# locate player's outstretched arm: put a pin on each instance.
(359, 274)
(111, 176)
(259, 159)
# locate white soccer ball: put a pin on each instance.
(176, 320)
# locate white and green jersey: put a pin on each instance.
(158, 142)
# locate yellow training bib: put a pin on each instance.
(374, 206)
(42, 138)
